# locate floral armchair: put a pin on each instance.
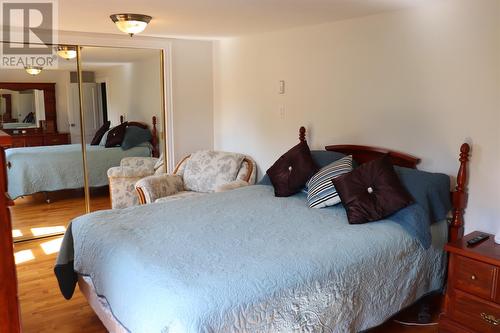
(143, 180)
(122, 179)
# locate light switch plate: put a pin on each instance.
(282, 87)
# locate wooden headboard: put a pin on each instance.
(459, 196)
(154, 132)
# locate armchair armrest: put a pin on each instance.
(158, 186)
(232, 185)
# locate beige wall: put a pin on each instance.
(420, 80)
(192, 96)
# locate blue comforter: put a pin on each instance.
(246, 261)
(52, 168)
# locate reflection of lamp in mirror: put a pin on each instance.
(33, 70)
(66, 52)
(131, 23)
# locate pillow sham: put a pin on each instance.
(115, 135)
(100, 133)
(134, 136)
(430, 190)
(292, 170)
(372, 191)
(321, 191)
(321, 157)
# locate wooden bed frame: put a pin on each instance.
(363, 154)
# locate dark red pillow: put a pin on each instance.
(372, 191)
(291, 171)
(116, 135)
(100, 133)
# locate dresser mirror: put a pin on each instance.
(121, 88)
(20, 109)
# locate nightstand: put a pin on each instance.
(472, 302)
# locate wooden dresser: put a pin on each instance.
(40, 139)
(36, 139)
(472, 302)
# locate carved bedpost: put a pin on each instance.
(302, 134)
(154, 140)
(121, 119)
(459, 196)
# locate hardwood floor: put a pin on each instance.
(43, 309)
(33, 216)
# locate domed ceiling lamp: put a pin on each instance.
(33, 70)
(131, 23)
(66, 52)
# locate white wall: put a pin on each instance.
(192, 96)
(420, 80)
(118, 91)
(133, 89)
(59, 77)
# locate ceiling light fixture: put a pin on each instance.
(131, 23)
(33, 70)
(66, 52)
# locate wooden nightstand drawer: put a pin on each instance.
(474, 277)
(477, 314)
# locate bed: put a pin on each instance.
(246, 261)
(51, 168)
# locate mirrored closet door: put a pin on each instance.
(117, 95)
(122, 103)
(43, 160)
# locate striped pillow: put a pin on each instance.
(320, 190)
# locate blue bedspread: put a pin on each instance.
(52, 168)
(246, 261)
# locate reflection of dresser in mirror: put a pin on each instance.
(28, 114)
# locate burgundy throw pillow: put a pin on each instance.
(372, 191)
(100, 133)
(116, 135)
(291, 171)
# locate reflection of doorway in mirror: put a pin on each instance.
(93, 115)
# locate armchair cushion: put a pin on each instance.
(231, 185)
(157, 186)
(206, 170)
(181, 195)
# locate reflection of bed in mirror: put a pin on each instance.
(52, 168)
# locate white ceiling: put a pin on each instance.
(218, 18)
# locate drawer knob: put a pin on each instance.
(490, 319)
(473, 277)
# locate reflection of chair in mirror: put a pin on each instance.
(197, 174)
